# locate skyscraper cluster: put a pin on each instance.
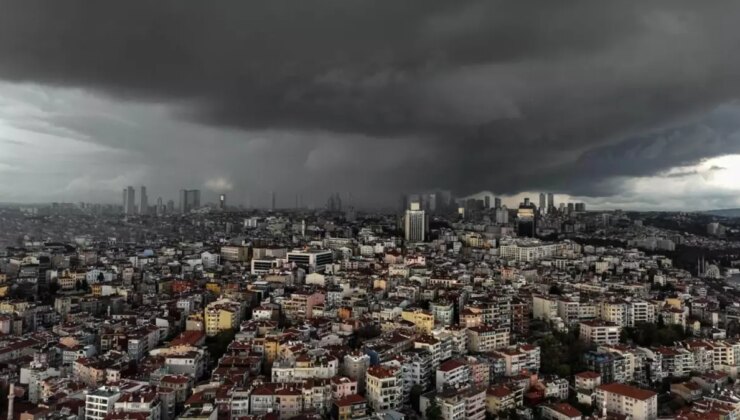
(434, 202)
(129, 200)
(334, 203)
(189, 200)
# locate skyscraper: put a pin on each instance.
(129, 200)
(189, 200)
(502, 215)
(222, 201)
(550, 202)
(160, 207)
(334, 203)
(543, 203)
(415, 224)
(144, 202)
(487, 201)
(526, 220)
(497, 202)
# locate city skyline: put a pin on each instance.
(369, 210)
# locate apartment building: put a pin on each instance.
(384, 388)
(599, 332)
(627, 400)
(485, 338)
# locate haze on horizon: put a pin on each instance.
(624, 104)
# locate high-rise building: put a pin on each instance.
(543, 203)
(129, 200)
(183, 201)
(334, 203)
(415, 224)
(497, 202)
(144, 202)
(222, 201)
(526, 220)
(502, 215)
(487, 202)
(160, 207)
(404, 202)
(550, 202)
(571, 208)
(580, 207)
(189, 200)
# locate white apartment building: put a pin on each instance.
(639, 311)
(485, 338)
(452, 373)
(529, 251)
(599, 332)
(464, 404)
(519, 359)
(100, 402)
(384, 388)
(627, 400)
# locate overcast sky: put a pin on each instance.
(627, 104)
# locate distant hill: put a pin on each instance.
(723, 212)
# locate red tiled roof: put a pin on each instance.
(566, 409)
(381, 372)
(350, 400)
(499, 391)
(628, 391)
(451, 364)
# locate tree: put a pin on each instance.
(218, 344)
(434, 411)
(416, 392)
(555, 290)
(661, 321)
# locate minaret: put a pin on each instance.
(11, 399)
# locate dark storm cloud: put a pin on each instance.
(467, 95)
(718, 133)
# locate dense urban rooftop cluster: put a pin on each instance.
(446, 310)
